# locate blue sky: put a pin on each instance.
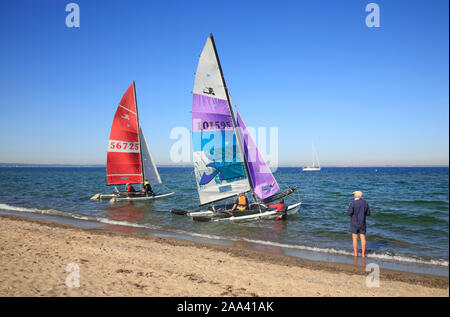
(366, 96)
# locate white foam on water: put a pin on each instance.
(125, 223)
(32, 210)
(54, 212)
(380, 256)
(80, 217)
(400, 258)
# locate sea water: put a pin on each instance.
(407, 228)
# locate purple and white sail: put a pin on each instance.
(262, 181)
(218, 162)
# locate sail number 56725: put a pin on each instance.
(122, 146)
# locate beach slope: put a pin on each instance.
(40, 258)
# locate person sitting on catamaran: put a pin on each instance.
(130, 189)
(241, 203)
(281, 208)
(147, 188)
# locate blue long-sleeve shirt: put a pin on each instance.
(358, 210)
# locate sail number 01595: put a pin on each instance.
(210, 125)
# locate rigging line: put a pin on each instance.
(233, 101)
(164, 186)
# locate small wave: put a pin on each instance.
(125, 223)
(54, 212)
(380, 256)
(33, 210)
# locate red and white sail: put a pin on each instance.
(123, 163)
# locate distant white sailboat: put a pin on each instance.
(315, 159)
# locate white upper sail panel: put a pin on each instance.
(208, 81)
(315, 157)
(150, 172)
(218, 162)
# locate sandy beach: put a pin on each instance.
(40, 258)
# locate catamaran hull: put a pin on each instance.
(121, 197)
(255, 214)
(211, 211)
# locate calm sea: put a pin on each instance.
(408, 228)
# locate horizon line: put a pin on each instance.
(191, 165)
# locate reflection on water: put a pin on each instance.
(355, 260)
(128, 212)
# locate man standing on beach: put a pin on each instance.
(358, 210)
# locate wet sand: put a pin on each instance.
(40, 258)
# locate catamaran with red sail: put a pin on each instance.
(226, 159)
(129, 160)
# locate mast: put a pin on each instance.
(236, 130)
(139, 133)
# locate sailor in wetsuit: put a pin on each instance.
(130, 190)
(241, 203)
(147, 189)
(281, 208)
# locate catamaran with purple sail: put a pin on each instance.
(226, 159)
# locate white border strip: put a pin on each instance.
(127, 109)
(124, 175)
